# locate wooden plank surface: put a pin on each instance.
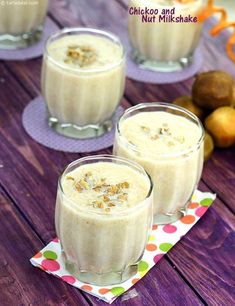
(19, 283)
(199, 270)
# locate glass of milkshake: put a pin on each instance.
(103, 218)
(83, 79)
(163, 42)
(21, 22)
(168, 141)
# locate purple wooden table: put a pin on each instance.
(200, 270)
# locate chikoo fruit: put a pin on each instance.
(221, 125)
(208, 146)
(213, 89)
(186, 102)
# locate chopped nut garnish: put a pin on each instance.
(145, 129)
(164, 131)
(88, 174)
(123, 197)
(70, 178)
(108, 195)
(155, 137)
(123, 185)
(106, 198)
(78, 187)
(98, 204)
(112, 190)
(180, 139)
(107, 209)
(84, 184)
(170, 143)
(80, 55)
(97, 188)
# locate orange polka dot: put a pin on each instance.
(189, 219)
(193, 205)
(135, 280)
(154, 227)
(87, 288)
(151, 247)
(38, 255)
(103, 291)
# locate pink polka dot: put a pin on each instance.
(69, 279)
(169, 229)
(50, 265)
(200, 211)
(55, 240)
(157, 258)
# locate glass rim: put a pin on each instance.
(142, 106)
(81, 30)
(110, 158)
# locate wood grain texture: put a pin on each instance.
(205, 256)
(20, 283)
(199, 270)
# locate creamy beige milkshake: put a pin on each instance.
(168, 142)
(103, 217)
(83, 81)
(162, 44)
(21, 22)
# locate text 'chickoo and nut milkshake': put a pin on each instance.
(168, 142)
(83, 81)
(164, 42)
(103, 217)
(21, 22)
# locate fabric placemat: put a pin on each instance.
(161, 240)
(33, 51)
(34, 121)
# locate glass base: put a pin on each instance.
(161, 66)
(80, 132)
(162, 219)
(11, 42)
(105, 279)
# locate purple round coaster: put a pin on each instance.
(34, 120)
(34, 50)
(134, 72)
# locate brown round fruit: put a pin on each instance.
(213, 89)
(186, 102)
(221, 125)
(208, 146)
(233, 103)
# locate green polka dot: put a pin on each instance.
(50, 255)
(117, 290)
(206, 202)
(165, 247)
(142, 266)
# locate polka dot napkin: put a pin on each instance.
(161, 240)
